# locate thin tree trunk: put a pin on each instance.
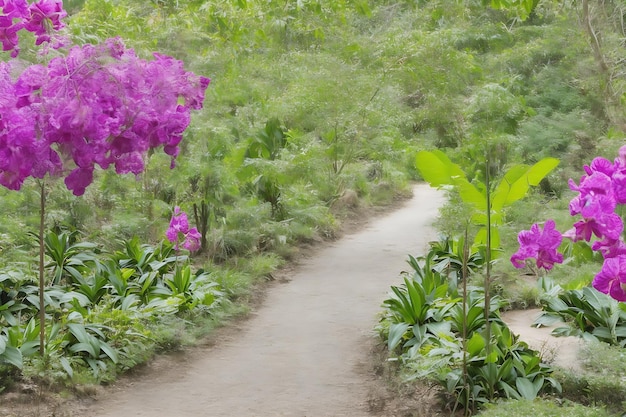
(593, 39)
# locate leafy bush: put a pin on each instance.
(590, 314)
(441, 335)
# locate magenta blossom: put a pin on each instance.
(41, 18)
(179, 231)
(101, 105)
(606, 225)
(540, 244)
(45, 16)
(609, 248)
(611, 279)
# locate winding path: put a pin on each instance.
(305, 351)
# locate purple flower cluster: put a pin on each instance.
(541, 244)
(179, 231)
(40, 18)
(600, 191)
(97, 105)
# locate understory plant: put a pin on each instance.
(440, 335)
(104, 303)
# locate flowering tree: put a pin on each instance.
(600, 191)
(91, 105)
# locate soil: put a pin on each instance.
(559, 351)
(308, 349)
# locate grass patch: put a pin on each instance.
(542, 408)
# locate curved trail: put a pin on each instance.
(305, 351)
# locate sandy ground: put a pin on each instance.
(560, 351)
(306, 350)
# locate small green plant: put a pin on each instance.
(588, 313)
(70, 258)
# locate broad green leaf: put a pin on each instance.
(481, 237)
(84, 347)
(29, 348)
(66, 366)
(509, 390)
(527, 389)
(475, 344)
(396, 331)
(436, 168)
(539, 171)
(13, 356)
(501, 194)
(470, 194)
(79, 332)
(109, 351)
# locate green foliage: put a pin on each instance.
(590, 314)
(99, 311)
(436, 168)
(69, 257)
(441, 336)
(541, 408)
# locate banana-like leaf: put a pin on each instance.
(470, 194)
(436, 168)
(518, 180)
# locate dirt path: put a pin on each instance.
(305, 351)
(560, 351)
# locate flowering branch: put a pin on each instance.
(179, 231)
(600, 191)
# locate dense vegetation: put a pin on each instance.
(310, 102)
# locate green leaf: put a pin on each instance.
(527, 389)
(436, 168)
(481, 237)
(84, 347)
(109, 351)
(396, 332)
(539, 171)
(501, 194)
(470, 194)
(475, 344)
(66, 366)
(13, 356)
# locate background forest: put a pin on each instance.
(316, 108)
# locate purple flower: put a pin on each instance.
(179, 231)
(611, 279)
(41, 18)
(605, 225)
(98, 105)
(600, 164)
(45, 16)
(192, 240)
(538, 243)
(610, 248)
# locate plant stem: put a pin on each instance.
(488, 260)
(464, 275)
(42, 307)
